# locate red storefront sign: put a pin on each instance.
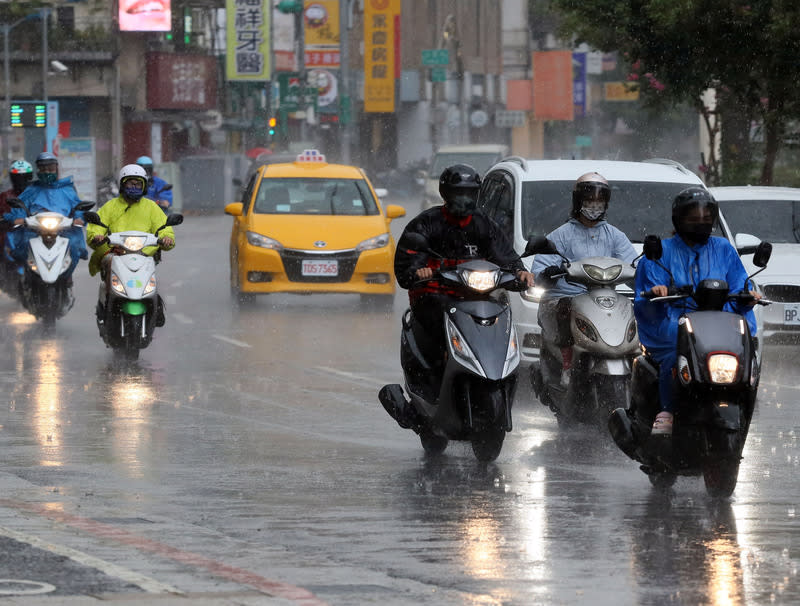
(181, 81)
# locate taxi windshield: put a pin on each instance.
(314, 196)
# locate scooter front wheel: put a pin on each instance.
(129, 348)
(432, 444)
(720, 477)
(487, 445)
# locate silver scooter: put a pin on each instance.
(605, 343)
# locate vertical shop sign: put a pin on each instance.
(552, 85)
(579, 84)
(379, 54)
(247, 30)
(321, 23)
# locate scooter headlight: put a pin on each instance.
(723, 368)
(151, 285)
(50, 223)
(603, 274)
(134, 243)
(116, 284)
(482, 281)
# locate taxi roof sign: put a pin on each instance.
(311, 155)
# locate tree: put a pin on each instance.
(746, 50)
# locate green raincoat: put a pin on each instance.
(144, 215)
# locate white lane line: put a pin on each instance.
(146, 583)
(232, 341)
(169, 299)
(351, 376)
(182, 319)
(177, 284)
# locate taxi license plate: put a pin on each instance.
(791, 313)
(320, 268)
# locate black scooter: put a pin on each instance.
(717, 382)
(469, 396)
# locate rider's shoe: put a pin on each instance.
(662, 426)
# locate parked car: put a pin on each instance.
(533, 197)
(480, 156)
(771, 214)
(312, 227)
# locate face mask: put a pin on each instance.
(462, 205)
(697, 233)
(133, 190)
(593, 210)
(47, 178)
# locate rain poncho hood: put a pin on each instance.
(144, 215)
(60, 197)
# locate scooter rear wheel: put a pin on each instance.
(432, 444)
(662, 481)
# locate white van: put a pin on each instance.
(479, 156)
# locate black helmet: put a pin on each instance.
(591, 186)
(458, 187)
(696, 229)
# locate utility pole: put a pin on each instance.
(345, 99)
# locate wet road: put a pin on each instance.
(247, 452)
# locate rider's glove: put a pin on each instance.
(549, 272)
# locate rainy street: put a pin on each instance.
(246, 452)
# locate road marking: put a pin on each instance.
(232, 341)
(182, 319)
(146, 583)
(170, 299)
(351, 376)
(177, 284)
(293, 593)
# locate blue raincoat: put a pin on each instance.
(658, 321)
(60, 197)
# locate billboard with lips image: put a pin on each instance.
(145, 15)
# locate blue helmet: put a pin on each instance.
(144, 161)
(46, 158)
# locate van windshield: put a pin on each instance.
(637, 208)
(481, 162)
(777, 221)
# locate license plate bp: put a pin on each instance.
(791, 313)
(313, 267)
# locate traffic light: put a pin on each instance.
(290, 6)
(272, 123)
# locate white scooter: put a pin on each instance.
(605, 342)
(128, 305)
(44, 288)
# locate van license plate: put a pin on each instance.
(320, 268)
(791, 313)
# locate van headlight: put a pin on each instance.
(723, 368)
(533, 294)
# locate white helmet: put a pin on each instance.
(132, 171)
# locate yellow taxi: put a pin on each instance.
(311, 227)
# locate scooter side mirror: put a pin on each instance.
(167, 187)
(762, 254)
(174, 219)
(539, 245)
(415, 241)
(84, 206)
(17, 203)
(652, 247)
(93, 218)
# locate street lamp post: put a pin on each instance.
(4, 126)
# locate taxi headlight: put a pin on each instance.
(482, 281)
(262, 241)
(133, 243)
(603, 274)
(116, 284)
(376, 242)
(723, 368)
(50, 223)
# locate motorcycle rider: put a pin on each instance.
(155, 184)
(458, 231)
(20, 174)
(128, 211)
(48, 193)
(585, 234)
(690, 256)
